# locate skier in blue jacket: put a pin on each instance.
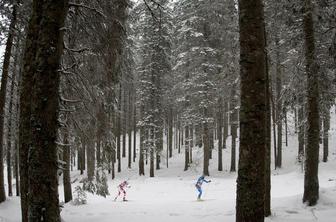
(198, 185)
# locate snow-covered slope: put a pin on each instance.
(171, 195)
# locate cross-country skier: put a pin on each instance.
(198, 185)
(122, 190)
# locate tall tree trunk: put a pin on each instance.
(301, 129)
(4, 80)
(124, 124)
(113, 161)
(220, 133)
(286, 125)
(16, 168)
(129, 129)
(83, 154)
(17, 134)
(158, 146)
(90, 159)
(152, 151)
(311, 183)
(278, 105)
(268, 138)
(47, 20)
(234, 126)
(199, 134)
(79, 157)
(10, 120)
(191, 143)
(141, 152)
(225, 123)
(186, 149)
(273, 108)
(206, 146)
(179, 138)
(98, 150)
(176, 133)
(66, 171)
(326, 127)
(134, 131)
(251, 170)
(10, 137)
(296, 120)
(211, 139)
(25, 134)
(119, 131)
(170, 132)
(9, 168)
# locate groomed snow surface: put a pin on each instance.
(171, 195)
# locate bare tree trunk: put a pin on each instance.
(158, 147)
(9, 140)
(296, 119)
(141, 153)
(152, 151)
(211, 139)
(220, 133)
(274, 127)
(10, 121)
(286, 125)
(186, 149)
(98, 150)
(191, 143)
(206, 146)
(225, 123)
(134, 131)
(170, 132)
(25, 134)
(124, 124)
(301, 134)
(9, 169)
(129, 129)
(176, 133)
(83, 154)
(251, 170)
(234, 126)
(79, 157)
(16, 168)
(279, 110)
(90, 159)
(326, 127)
(113, 161)
(119, 132)
(66, 171)
(16, 145)
(268, 138)
(179, 137)
(47, 20)
(311, 183)
(4, 80)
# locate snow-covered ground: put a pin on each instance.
(171, 195)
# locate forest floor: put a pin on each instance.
(171, 195)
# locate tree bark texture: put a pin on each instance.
(44, 48)
(251, 170)
(311, 183)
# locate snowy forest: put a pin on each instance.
(170, 110)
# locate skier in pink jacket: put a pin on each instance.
(122, 190)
